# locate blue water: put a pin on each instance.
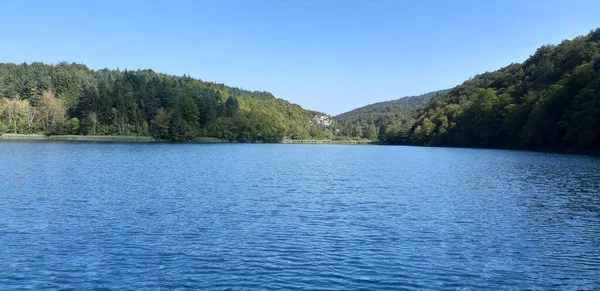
(295, 217)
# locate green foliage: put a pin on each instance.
(72, 99)
(549, 102)
(74, 125)
(373, 121)
(232, 106)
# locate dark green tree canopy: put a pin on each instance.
(142, 102)
(549, 102)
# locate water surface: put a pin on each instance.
(296, 217)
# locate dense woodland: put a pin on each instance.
(549, 102)
(368, 121)
(73, 99)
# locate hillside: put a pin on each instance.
(366, 121)
(549, 102)
(73, 99)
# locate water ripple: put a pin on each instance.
(295, 217)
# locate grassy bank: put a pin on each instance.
(98, 138)
(209, 140)
(119, 138)
(329, 141)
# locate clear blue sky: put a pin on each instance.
(330, 56)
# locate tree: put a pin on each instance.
(52, 112)
(370, 132)
(74, 125)
(29, 117)
(10, 114)
(232, 106)
(160, 124)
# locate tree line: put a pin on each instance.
(549, 102)
(370, 121)
(73, 99)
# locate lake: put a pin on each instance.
(295, 217)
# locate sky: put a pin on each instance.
(329, 56)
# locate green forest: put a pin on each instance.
(371, 121)
(73, 99)
(550, 102)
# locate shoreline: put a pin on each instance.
(149, 139)
(329, 141)
(7, 137)
(95, 138)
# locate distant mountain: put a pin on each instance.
(365, 121)
(387, 107)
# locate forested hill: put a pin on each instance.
(73, 99)
(386, 108)
(360, 121)
(549, 102)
